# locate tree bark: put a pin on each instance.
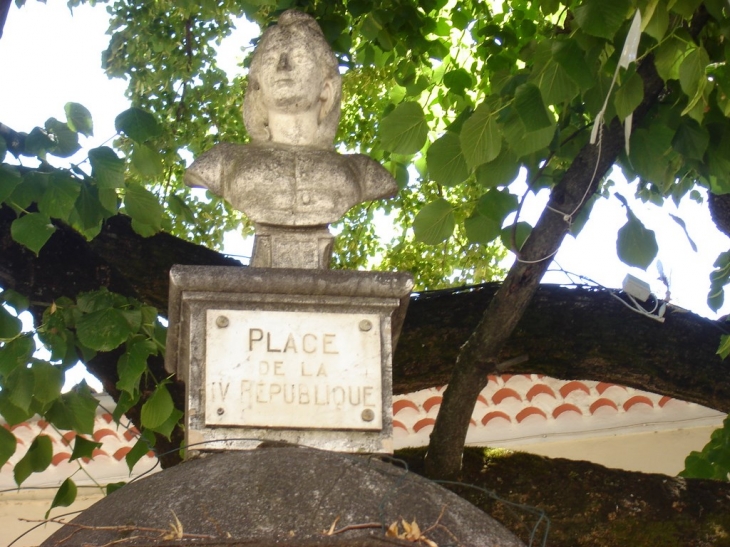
(480, 354)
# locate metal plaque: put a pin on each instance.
(293, 369)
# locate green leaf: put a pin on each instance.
(10, 326)
(147, 161)
(697, 467)
(139, 125)
(66, 140)
(691, 139)
(38, 143)
(601, 18)
(685, 8)
(83, 448)
(8, 443)
(659, 22)
(103, 330)
(12, 414)
(499, 172)
(125, 402)
(497, 204)
(48, 381)
(724, 349)
(114, 486)
(446, 164)
(3, 148)
(143, 206)
(435, 222)
(518, 236)
(648, 152)
(32, 230)
(133, 363)
(16, 353)
(158, 408)
(480, 229)
(95, 300)
(36, 459)
(481, 140)
(636, 245)
(629, 96)
(79, 119)
(571, 58)
(692, 71)
(64, 497)
(9, 179)
(89, 212)
(556, 86)
(107, 167)
(458, 80)
(668, 57)
(75, 410)
(531, 109)
(60, 197)
(169, 425)
(15, 300)
(19, 386)
(523, 142)
(404, 130)
(143, 445)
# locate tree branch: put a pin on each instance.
(480, 354)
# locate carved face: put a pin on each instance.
(290, 76)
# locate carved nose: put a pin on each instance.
(283, 62)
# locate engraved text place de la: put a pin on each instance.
(293, 370)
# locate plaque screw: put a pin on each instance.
(221, 321)
(365, 326)
(368, 415)
(221, 412)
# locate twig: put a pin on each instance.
(355, 527)
(118, 528)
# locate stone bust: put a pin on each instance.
(289, 180)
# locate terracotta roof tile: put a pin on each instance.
(637, 400)
(489, 416)
(425, 422)
(570, 387)
(59, 457)
(529, 411)
(99, 434)
(540, 389)
(566, 407)
(602, 403)
(431, 402)
(505, 393)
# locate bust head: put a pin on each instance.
(294, 71)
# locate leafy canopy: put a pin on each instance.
(454, 98)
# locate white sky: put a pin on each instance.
(48, 57)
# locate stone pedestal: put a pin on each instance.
(294, 355)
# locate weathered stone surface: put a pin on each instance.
(284, 494)
(289, 181)
(291, 361)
